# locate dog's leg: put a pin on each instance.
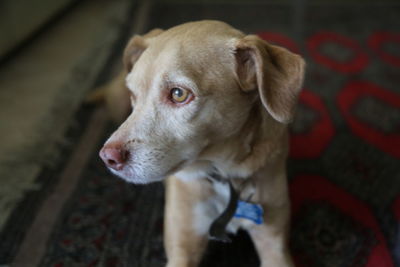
(270, 240)
(271, 237)
(184, 244)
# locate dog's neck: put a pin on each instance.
(260, 140)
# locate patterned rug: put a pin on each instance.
(344, 167)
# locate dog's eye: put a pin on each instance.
(179, 95)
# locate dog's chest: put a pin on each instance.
(205, 212)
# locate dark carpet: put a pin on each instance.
(344, 168)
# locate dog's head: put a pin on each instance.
(192, 87)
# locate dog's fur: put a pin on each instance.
(245, 91)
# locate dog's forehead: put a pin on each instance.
(161, 64)
(196, 41)
(153, 66)
(182, 55)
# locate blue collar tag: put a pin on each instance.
(250, 211)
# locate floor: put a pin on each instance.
(43, 84)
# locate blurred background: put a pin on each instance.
(60, 207)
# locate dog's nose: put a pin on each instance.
(114, 156)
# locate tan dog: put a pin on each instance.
(208, 99)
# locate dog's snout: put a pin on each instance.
(114, 156)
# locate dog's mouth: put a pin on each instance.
(131, 177)
(129, 174)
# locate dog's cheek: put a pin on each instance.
(233, 115)
(178, 124)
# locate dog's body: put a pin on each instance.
(208, 99)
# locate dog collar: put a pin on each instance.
(235, 208)
(218, 227)
(250, 211)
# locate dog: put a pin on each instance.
(211, 108)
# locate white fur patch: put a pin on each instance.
(197, 170)
(205, 212)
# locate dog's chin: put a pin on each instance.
(136, 179)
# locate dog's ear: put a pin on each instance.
(275, 72)
(135, 47)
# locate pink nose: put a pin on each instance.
(114, 156)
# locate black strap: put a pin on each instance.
(218, 227)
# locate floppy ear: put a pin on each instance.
(275, 72)
(135, 47)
